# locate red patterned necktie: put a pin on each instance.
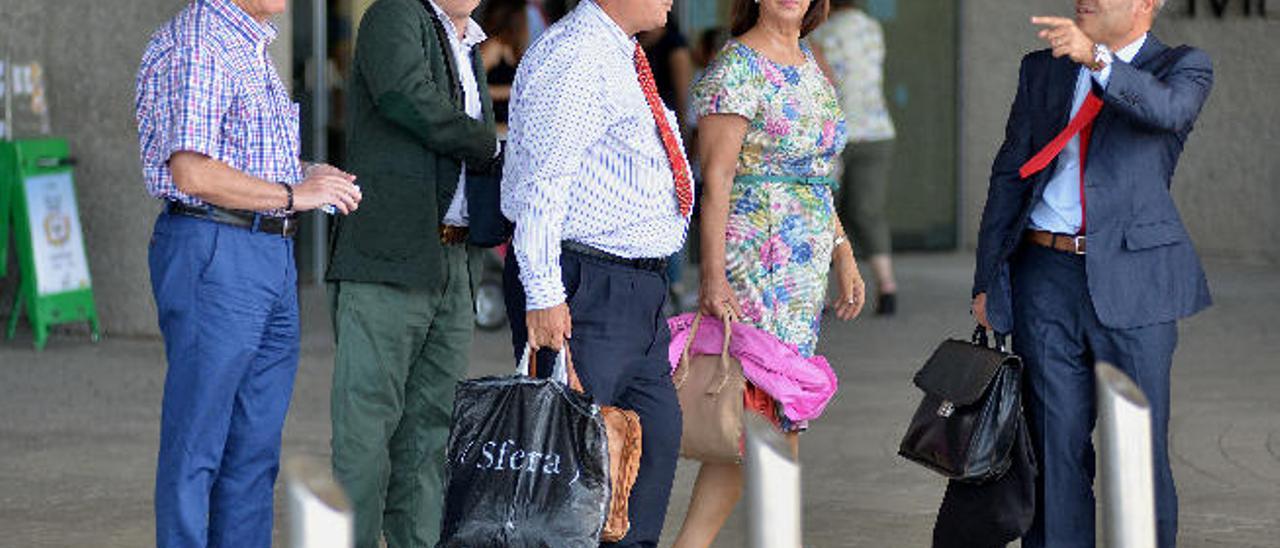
(679, 166)
(1081, 123)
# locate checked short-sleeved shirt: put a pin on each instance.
(206, 85)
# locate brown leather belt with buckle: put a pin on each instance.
(1065, 243)
(453, 235)
(284, 227)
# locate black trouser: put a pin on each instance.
(619, 350)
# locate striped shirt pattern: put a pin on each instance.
(584, 159)
(206, 85)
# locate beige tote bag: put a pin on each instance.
(710, 388)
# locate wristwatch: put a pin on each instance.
(1101, 57)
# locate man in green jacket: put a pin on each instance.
(403, 309)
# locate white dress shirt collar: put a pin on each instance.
(618, 36)
(1130, 51)
(471, 36)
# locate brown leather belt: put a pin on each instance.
(453, 235)
(1065, 243)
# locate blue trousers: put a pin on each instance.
(619, 350)
(228, 308)
(1058, 335)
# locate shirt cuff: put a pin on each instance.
(186, 143)
(544, 291)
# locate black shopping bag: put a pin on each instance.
(528, 465)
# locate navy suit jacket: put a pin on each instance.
(1141, 266)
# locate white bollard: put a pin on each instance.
(773, 487)
(1126, 482)
(318, 509)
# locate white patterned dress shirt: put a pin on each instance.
(584, 160)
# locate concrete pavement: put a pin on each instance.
(79, 422)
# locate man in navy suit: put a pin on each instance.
(1081, 252)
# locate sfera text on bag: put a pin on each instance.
(507, 456)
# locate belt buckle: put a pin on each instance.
(285, 222)
(1079, 244)
(452, 235)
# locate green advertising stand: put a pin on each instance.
(6, 189)
(54, 285)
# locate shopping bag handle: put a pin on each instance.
(563, 373)
(682, 369)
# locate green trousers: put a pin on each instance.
(401, 352)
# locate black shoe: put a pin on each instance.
(886, 304)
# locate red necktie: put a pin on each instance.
(1081, 123)
(679, 166)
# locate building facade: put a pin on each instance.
(950, 80)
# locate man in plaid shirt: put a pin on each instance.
(219, 145)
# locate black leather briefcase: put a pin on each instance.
(969, 417)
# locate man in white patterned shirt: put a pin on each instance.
(598, 187)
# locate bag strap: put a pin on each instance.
(574, 382)
(682, 369)
(564, 362)
(727, 322)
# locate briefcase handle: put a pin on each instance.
(980, 339)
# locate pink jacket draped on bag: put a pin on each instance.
(803, 386)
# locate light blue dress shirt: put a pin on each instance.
(584, 159)
(1059, 209)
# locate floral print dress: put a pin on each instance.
(779, 236)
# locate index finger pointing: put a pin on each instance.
(1051, 21)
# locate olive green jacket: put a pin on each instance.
(408, 134)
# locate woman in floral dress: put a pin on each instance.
(771, 127)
